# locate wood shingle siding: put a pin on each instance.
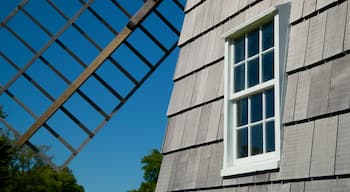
(315, 130)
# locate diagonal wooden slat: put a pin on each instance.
(115, 43)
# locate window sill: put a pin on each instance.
(250, 167)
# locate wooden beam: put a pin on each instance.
(116, 42)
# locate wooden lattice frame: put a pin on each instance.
(135, 22)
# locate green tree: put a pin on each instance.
(21, 169)
(151, 166)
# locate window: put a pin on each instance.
(254, 68)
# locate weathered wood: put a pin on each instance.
(203, 166)
(188, 91)
(302, 95)
(178, 132)
(342, 160)
(211, 44)
(323, 3)
(210, 13)
(204, 124)
(340, 85)
(258, 188)
(229, 7)
(169, 134)
(231, 189)
(221, 123)
(114, 44)
(199, 21)
(296, 154)
(297, 187)
(314, 49)
(176, 160)
(296, 10)
(347, 31)
(340, 185)
(318, 186)
(181, 167)
(215, 165)
(191, 127)
(165, 173)
(324, 146)
(181, 62)
(243, 4)
(192, 168)
(297, 45)
(176, 96)
(214, 121)
(335, 28)
(214, 77)
(203, 45)
(319, 90)
(242, 189)
(200, 86)
(218, 10)
(192, 56)
(309, 7)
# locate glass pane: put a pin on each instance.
(242, 112)
(270, 136)
(253, 43)
(256, 107)
(267, 36)
(267, 66)
(239, 79)
(257, 139)
(270, 103)
(242, 143)
(253, 72)
(239, 45)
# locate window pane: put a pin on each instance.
(239, 45)
(239, 79)
(270, 136)
(242, 112)
(267, 66)
(270, 103)
(267, 36)
(253, 43)
(256, 107)
(242, 143)
(257, 139)
(253, 72)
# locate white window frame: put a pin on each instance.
(266, 161)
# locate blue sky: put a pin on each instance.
(111, 161)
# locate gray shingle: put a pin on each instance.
(324, 145)
(297, 187)
(177, 96)
(319, 90)
(203, 45)
(347, 31)
(340, 85)
(342, 163)
(200, 19)
(178, 132)
(176, 160)
(211, 46)
(213, 84)
(204, 124)
(258, 188)
(165, 173)
(192, 56)
(323, 3)
(288, 113)
(309, 7)
(192, 168)
(340, 185)
(203, 166)
(169, 134)
(242, 189)
(229, 7)
(243, 4)
(181, 62)
(296, 154)
(297, 45)
(315, 41)
(221, 123)
(209, 16)
(231, 189)
(318, 186)
(302, 95)
(334, 38)
(200, 86)
(218, 10)
(188, 91)
(179, 179)
(214, 121)
(297, 10)
(191, 127)
(263, 177)
(215, 164)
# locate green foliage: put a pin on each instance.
(151, 166)
(22, 170)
